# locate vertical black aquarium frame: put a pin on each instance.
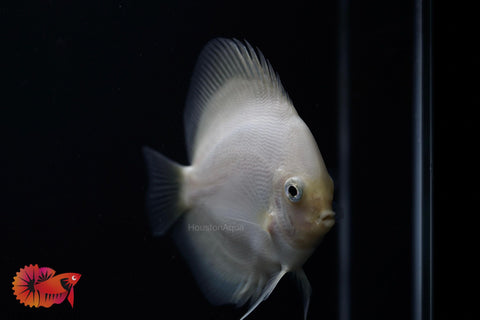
(344, 228)
(422, 164)
(410, 24)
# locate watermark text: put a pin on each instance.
(215, 227)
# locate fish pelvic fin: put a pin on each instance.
(271, 284)
(70, 297)
(163, 202)
(305, 289)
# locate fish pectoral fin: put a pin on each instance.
(164, 206)
(267, 290)
(70, 297)
(305, 289)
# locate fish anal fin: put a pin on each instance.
(225, 252)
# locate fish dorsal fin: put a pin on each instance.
(237, 69)
(45, 273)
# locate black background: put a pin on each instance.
(86, 84)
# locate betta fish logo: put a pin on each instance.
(40, 287)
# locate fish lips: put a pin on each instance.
(326, 218)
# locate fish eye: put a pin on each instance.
(74, 278)
(294, 189)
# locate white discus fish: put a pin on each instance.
(256, 199)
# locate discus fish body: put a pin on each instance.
(40, 287)
(256, 199)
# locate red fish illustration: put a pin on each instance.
(40, 287)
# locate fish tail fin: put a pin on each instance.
(164, 205)
(24, 286)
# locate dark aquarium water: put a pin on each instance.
(87, 84)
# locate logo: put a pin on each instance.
(40, 287)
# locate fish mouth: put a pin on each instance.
(326, 218)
